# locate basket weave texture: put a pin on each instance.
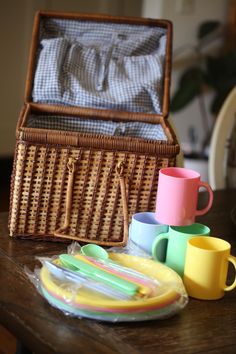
(68, 185)
(39, 191)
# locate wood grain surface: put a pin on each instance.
(202, 327)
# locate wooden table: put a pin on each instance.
(202, 327)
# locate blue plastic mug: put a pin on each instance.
(144, 229)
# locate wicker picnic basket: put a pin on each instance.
(93, 132)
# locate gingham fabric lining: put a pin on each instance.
(133, 129)
(100, 65)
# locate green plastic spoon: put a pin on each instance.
(95, 251)
(96, 273)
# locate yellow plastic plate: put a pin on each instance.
(169, 281)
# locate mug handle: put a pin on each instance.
(210, 201)
(130, 230)
(232, 286)
(158, 239)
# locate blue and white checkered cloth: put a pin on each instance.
(100, 65)
(141, 130)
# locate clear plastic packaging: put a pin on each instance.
(123, 287)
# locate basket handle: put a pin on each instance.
(120, 170)
(72, 166)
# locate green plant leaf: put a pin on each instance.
(206, 28)
(190, 85)
(219, 99)
(221, 71)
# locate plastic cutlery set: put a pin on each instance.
(115, 287)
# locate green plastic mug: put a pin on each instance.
(177, 238)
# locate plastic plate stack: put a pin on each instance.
(169, 298)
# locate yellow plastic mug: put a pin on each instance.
(206, 268)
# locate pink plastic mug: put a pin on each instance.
(177, 196)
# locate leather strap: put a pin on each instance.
(72, 167)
